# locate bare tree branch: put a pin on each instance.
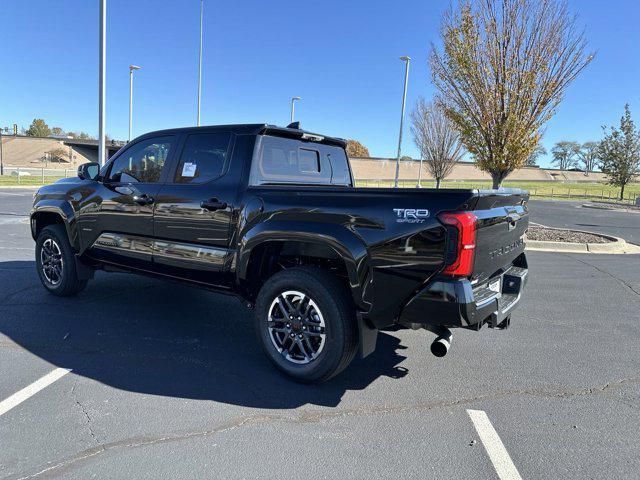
(436, 138)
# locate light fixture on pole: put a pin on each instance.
(293, 99)
(200, 63)
(102, 77)
(131, 69)
(407, 60)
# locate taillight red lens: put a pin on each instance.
(465, 223)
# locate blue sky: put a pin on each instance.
(341, 57)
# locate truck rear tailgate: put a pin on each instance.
(503, 218)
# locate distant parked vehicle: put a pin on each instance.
(20, 173)
(270, 214)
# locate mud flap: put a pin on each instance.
(368, 336)
(83, 271)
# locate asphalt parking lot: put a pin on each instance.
(168, 381)
(565, 214)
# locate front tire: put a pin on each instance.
(55, 262)
(305, 322)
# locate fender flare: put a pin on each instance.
(345, 243)
(66, 213)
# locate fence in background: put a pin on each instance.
(566, 191)
(37, 176)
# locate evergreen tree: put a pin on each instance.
(38, 128)
(620, 152)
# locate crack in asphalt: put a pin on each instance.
(84, 412)
(135, 442)
(314, 416)
(605, 272)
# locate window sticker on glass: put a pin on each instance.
(189, 170)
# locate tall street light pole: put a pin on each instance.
(1, 159)
(102, 76)
(200, 62)
(293, 108)
(131, 69)
(407, 60)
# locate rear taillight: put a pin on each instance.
(464, 224)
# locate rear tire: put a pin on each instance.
(56, 263)
(305, 322)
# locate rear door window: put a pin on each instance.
(203, 157)
(280, 160)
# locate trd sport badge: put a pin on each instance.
(411, 215)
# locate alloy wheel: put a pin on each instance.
(51, 261)
(296, 327)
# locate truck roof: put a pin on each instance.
(255, 129)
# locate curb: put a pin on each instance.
(614, 209)
(23, 187)
(616, 246)
(595, 207)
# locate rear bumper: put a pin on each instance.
(456, 303)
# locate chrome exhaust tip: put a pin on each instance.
(440, 346)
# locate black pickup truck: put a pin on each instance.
(270, 214)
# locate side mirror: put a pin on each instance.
(88, 171)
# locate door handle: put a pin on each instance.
(213, 205)
(143, 199)
(124, 190)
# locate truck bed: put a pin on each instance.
(402, 242)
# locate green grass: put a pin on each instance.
(556, 190)
(10, 181)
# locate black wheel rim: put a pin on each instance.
(296, 327)
(51, 261)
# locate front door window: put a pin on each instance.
(142, 162)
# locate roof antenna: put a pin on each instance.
(295, 125)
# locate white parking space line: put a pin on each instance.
(19, 397)
(499, 456)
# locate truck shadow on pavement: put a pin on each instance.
(148, 336)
